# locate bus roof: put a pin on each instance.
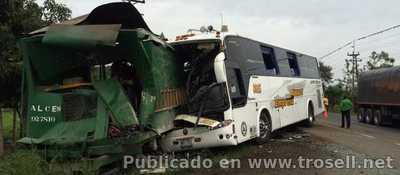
(215, 35)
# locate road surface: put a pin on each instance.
(377, 141)
(325, 141)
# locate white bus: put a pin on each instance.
(241, 89)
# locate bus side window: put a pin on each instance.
(308, 67)
(236, 87)
(294, 66)
(270, 60)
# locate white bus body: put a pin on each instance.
(274, 83)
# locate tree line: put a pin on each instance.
(336, 89)
(18, 18)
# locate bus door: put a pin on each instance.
(243, 108)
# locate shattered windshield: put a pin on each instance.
(198, 58)
(205, 94)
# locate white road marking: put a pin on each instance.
(369, 136)
(398, 144)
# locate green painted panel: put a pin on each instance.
(162, 121)
(157, 65)
(101, 121)
(113, 96)
(65, 133)
(44, 112)
(82, 36)
(48, 64)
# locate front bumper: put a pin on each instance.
(196, 138)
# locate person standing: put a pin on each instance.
(326, 107)
(345, 107)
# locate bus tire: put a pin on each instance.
(369, 116)
(265, 128)
(309, 122)
(378, 117)
(361, 115)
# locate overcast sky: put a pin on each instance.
(313, 27)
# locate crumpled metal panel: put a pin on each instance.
(113, 96)
(70, 132)
(65, 133)
(82, 36)
(193, 119)
(72, 21)
(123, 13)
(54, 54)
(159, 69)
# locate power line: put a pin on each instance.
(358, 39)
(379, 41)
(380, 46)
(336, 50)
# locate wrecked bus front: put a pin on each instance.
(205, 120)
(100, 84)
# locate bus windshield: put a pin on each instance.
(198, 59)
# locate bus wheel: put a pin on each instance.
(309, 122)
(361, 115)
(378, 117)
(265, 128)
(368, 116)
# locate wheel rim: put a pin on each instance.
(368, 118)
(311, 118)
(377, 118)
(264, 127)
(311, 115)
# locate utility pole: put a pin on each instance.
(354, 62)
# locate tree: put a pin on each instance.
(335, 93)
(54, 12)
(326, 73)
(347, 79)
(18, 17)
(379, 60)
(1, 134)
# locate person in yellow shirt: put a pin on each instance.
(326, 103)
(326, 106)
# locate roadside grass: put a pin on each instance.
(22, 163)
(8, 125)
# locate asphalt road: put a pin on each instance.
(325, 141)
(377, 141)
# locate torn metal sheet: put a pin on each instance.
(193, 119)
(72, 21)
(65, 133)
(112, 93)
(123, 13)
(83, 36)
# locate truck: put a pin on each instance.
(98, 87)
(378, 96)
